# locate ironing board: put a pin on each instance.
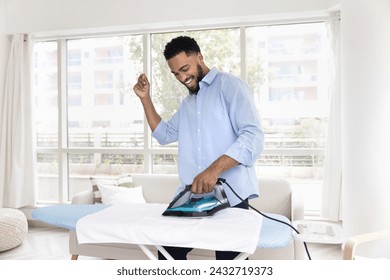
(232, 229)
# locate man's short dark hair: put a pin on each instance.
(181, 44)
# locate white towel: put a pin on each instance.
(230, 229)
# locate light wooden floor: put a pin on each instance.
(46, 243)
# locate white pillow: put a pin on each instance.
(124, 180)
(115, 195)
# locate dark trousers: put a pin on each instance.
(180, 253)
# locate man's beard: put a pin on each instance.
(198, 79)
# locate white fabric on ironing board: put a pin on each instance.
(231, 229)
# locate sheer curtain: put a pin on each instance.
(17, 157)
(331, 194)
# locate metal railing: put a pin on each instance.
(110, 147)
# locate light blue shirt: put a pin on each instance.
(220, 119)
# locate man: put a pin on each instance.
(217, 128)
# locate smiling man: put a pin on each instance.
(217, 128)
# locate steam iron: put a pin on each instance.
(188, 204)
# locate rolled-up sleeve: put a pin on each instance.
(167, 131)
(247, 152)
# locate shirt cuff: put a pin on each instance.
(159, 131)
(241, 154)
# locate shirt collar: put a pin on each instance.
(210, 76)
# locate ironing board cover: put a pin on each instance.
(65, 216)
(231, 229)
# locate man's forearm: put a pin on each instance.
(222, 164)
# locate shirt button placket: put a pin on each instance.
(199, 136)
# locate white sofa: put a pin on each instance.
(276, 196)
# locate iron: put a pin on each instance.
(188, 204)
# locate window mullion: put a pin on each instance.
(63, 171)
(148, 161)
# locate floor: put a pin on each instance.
(48, 243)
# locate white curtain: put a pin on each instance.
(331, 194)
(17, 157)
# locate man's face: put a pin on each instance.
(187, 70)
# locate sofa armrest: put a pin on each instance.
(84, 197)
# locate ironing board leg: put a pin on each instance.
(164, 252)
(151, 256)
(147, 252)
(242, 256)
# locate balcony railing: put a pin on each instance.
(108, 147)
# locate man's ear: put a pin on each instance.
(200, 57)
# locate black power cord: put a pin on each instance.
(264, 215)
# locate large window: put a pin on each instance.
(89, 121)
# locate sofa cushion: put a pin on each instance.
(123, 181)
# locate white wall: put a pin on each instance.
(52, 15)
(365, 33)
